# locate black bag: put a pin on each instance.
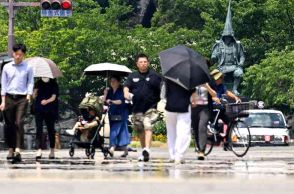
(115, 117)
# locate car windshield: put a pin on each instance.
(269, 120)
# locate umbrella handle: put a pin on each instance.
(107, 74)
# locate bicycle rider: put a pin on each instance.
(221, 90)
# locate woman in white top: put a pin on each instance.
(201, 100)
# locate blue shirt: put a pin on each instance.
(17, 79)
(220, 90)
(117, 109)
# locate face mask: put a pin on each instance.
(45, 79)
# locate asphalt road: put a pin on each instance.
(262, 170)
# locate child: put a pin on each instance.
(85, 124)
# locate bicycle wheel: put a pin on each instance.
(239, 138)
(209, 146)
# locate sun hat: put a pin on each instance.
(216, 74)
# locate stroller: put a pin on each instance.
(94, 139)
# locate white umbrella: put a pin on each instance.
(107, 69)
(43, 67)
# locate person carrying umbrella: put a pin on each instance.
(144, 84)
(118, 117)
(178, 120)
(183, 69)
(46, 109)
(45, 106)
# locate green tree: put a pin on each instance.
(272, 80)
(88, 37)
(261, 25)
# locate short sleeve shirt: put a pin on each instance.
(117, 109)
(146, 90)
(220, 90)
(45, 91)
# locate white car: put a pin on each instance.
(267, 127)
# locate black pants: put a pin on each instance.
(49, 119)
(14, 114)
(200, 117)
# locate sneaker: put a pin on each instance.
(141, 158)
(51, 155)
(70, 131)
(171, 160)
(10, 156)
(111, 152)
(201, 156)
(145, 154)
(179, 161)
(124, 155)
(126, 152)
(17, 157)
(39, 155)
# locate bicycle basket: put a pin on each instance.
(238, 110)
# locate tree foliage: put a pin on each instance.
(261, 25)
(97, 34)
(272, 80)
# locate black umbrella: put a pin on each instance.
(184, 66)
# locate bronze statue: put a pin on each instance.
(228, 53)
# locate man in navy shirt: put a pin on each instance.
(221, 88)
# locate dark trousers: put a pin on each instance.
(14, 114)
(49, 119)
(200, 117)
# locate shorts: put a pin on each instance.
(145, 121)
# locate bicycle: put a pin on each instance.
(237, 138)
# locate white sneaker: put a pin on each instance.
(70, 131)
(140, 158)
(201, 156)
(171, 160)
(179, 161)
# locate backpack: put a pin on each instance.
(93, 102)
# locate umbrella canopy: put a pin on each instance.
(107, 69)
(43, 67)
(184, 66)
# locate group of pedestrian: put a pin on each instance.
(185, 109)
(17, 92)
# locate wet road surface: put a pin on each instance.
(263, 169)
